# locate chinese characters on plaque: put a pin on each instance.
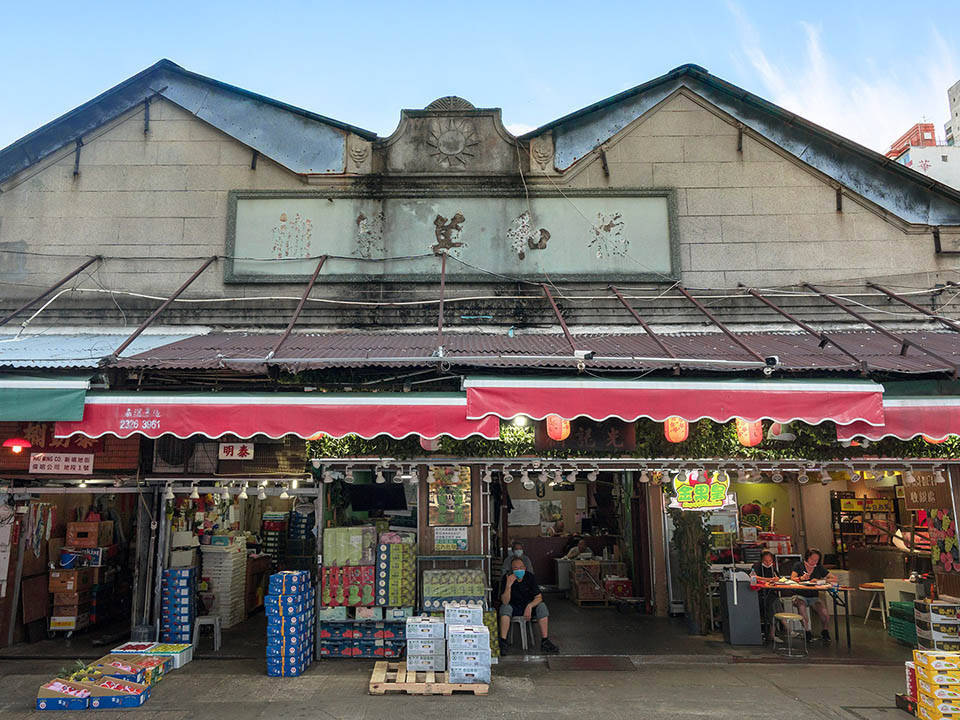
(235, 451)
(609, 436)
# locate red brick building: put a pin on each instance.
(920, 135)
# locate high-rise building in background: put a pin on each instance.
(951, 128)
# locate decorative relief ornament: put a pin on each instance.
(453, 141)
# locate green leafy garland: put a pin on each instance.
(707, 439)
(691, 543)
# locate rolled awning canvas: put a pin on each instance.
(42, 399)
(809, 401)
(245, 415)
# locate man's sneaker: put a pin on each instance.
(548, 648)
(504, 647)
(825, 637)
(809, 637)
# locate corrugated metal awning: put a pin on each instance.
(58, 349)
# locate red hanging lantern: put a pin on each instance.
(749, 433)
(430, 444)
(676, 429)
(931, 441)
(558, 428)
(17, 444)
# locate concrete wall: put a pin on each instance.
(752, 217)
(940, 162)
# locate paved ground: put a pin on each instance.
(236, 690)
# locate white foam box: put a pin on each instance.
(463, 615)
(421, 628)
(467, 637)
(469, 658)
(471, 675)
(430, 646)
(426, 662)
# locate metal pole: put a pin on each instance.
(556, 311)
(48, 291)
(949, 323)
(443, 285)
(723, 328)
(643, 324)
(296, 313)
(153, 316)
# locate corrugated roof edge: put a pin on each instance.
(702, 74)
(47, 139)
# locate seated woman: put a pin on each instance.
(766, 569)
(811, 569)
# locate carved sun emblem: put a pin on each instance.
(453, 141)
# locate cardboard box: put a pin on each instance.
(429, 646)
(424, 628)
(70, 580)
(183, 558)
(468, 637)
(180, 653)
(335, 613)
(471, 675)
(122, 666)
(64, 611)
(89, 534)
(426, 662)
(112, 693)
(134, 647)
(61, 694)
(944, 707)
(72, 598)
(938, 629)
(941, 692)
(469, 658)
(463, 615)
(937, 677)
(936, 610)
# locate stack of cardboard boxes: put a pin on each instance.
(301, 542)
(443, 587)
(225, 574)
(938, 625)
(71, 590)
(289, 607)
(83, 588)
(396, 574)
(426, 644)
(937, 684)
(273, 529)
(178, 594)
(468, 644)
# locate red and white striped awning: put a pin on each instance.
(809, 401)
(428, 415)
(933, 416)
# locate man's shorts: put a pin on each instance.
(810, 601)
(539, 612)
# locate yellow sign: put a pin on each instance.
(701, 490)
(851, 504)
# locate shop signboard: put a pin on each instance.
(61, 463)
(235, 451)
(926, 494)
(450, 539)
(701, 491)
(607, 437)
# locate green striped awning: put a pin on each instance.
(42, 399)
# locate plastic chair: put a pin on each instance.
(210, 621)
(792, 626)
(524, 625)
(876, 593)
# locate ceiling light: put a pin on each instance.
(644, 478)
(17, 444)
(592, 475)
(741, 475)
(83, 483)
(507, 477)
(224, 491)
(488, 475)
(572, 476)
(316, 463)
(243, 492)
(295, 484)
(777, 476)
(803, 478)
(855, 476)
(528, 484)
(168, 495)
(379, 478)
(327, 476)
(194, 494)
(543, 477)
(525, 478)
(825, 477)
(284, 495)
(938, 477)
(909, 478)
(262, 493)
(407, 473)
(349, 475)
(557, 476)
(521, 420)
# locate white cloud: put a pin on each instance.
(519, 128)
(871, 105)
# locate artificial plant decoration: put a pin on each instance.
(691, 545)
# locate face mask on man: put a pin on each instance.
(519, 574)
(518, 552)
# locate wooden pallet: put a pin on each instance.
(591, 603)
(394, 677)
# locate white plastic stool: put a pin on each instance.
(792, 626)
(524, 625)
(876, 593)
(212, 621)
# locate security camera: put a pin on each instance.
(772, 360)
(584, 354)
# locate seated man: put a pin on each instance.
(580, 551)
(516, 551)
(520, 595)
(811, 569)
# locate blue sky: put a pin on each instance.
(863, 69)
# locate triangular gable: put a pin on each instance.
(301, 141)
(909, 195)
